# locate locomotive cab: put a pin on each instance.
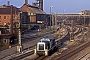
(42, 48)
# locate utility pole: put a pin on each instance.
(46, 23)
(11, 21)
(63, 19)
(71, 32)
(51, 16)
(83, 28)
(55, 21)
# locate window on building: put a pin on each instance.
(0, 17)
(28, 13)
(0, 23)
(5, 23)
(4, 17)
(32, 13)
(7, 17)
(4, 40)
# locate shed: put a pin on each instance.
(32, 11)
(6, 40)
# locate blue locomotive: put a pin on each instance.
(45, 46)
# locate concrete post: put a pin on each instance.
(19, 47)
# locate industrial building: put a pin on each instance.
(9, 18)
(36, 14)
(27, 15)
(32, 11)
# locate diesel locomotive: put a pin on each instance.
(45, 46)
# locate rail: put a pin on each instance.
(68, 53)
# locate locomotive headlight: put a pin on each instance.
(46, 52)
(35, 51)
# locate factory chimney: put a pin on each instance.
(8, 3)
(26, 2)
(41, 4)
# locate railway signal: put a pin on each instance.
(19, 47)
(17, 25)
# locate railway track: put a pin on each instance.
(86, 56)
(27, 38)
(40, 58)
(22, 56)
(27, 49)
(68, 53)
(28, 54)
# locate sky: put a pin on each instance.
(59, 6)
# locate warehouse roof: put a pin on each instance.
(7, 10)
(35, 9)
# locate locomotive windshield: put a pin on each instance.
(41, 46)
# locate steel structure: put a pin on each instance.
(77, 18)
(39, 3)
